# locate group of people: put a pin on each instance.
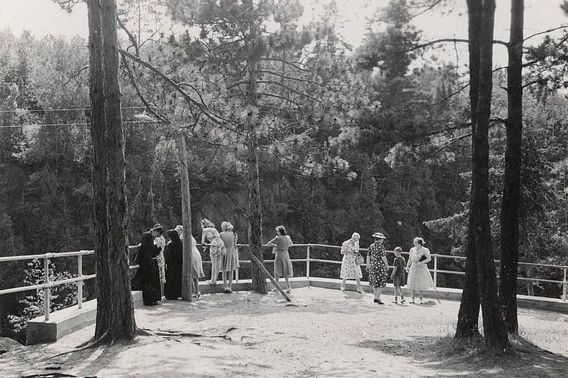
(160, 263)
(419, 278)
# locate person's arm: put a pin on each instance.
(384, 257)
(271, 242)
(290, 240)
(394, 269)
(428, 257)
(408, 263)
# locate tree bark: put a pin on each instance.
(495, 334)
(468, 316)
(510, 210)
(119, 309)
(98, 135)
(255, 209)
(186, 285)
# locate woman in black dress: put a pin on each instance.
(149, 271)
(174, 264)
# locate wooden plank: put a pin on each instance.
(263, 268)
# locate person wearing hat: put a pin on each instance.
(211, 238)
(377, 266)
(159, 240)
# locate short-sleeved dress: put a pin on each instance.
(399, 278)
(196, 261)
(282, 262)
(419, 277)
(349, 268)
(377, 267)
(231, 258)
(217, 247)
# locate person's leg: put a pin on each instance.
(379, 292)
(343, 285)
(359, 288)
(230, 280)
(277, 279)
(224, 276)
(420, 294)
(412, 294)
(396, 294)
(288, 283)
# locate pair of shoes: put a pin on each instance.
(228, 291)
(412, 301)
(421, 302)
(274, 290)
(375, 300)
(395, 301)
(360, 291)
(342, 288)
(288, 291)
(402, 300)
(379, 301)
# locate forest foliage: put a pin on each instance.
(381, 145)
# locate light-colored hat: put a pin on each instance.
(179, 228)
(378, 235)
(157, 227)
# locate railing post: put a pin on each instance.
(80, 283)
(564, 286)
(308, 264)
(435, 271)
(46, 290)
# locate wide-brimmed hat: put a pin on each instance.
(378, 235)
(157, 227)
(179, 228)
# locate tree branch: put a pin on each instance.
(285, 62)
(546, 31)
(289, 89)
(290, 77)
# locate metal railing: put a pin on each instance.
(48, 283)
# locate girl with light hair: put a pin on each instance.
(351, 262)
(231, 258)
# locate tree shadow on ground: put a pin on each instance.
(447, 357)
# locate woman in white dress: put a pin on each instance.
(211, 238)
(196, 262)
(350, 270)
(419, 278)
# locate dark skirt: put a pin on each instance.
(172, 287)
(151, 290)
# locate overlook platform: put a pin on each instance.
(321, 333)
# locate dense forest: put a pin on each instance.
(365, 139)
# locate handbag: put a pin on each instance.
(422, 258)
(359, 259)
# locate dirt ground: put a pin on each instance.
(323, 333)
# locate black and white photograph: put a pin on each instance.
(283, 188)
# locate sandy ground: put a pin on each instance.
(323, 333)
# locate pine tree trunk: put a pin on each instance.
(254, 198)
(467, 326)
(495, 334)
(512, 181)
(186, 285)
(98, 135)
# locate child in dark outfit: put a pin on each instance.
(398, 274)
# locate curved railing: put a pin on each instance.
(80, 278)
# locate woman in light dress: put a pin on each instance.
(196, 263)
(350, 270)
(159, 241)
(212, 239)
(419, 278)
(282, 262)
(231, 257)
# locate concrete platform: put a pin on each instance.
(66, 321)
(72, 319)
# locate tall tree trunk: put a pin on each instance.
(98, 135)
(495, 334)
(254, 198)
(121, 323)
(512, 181)
(186, 285)
(468, 316)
